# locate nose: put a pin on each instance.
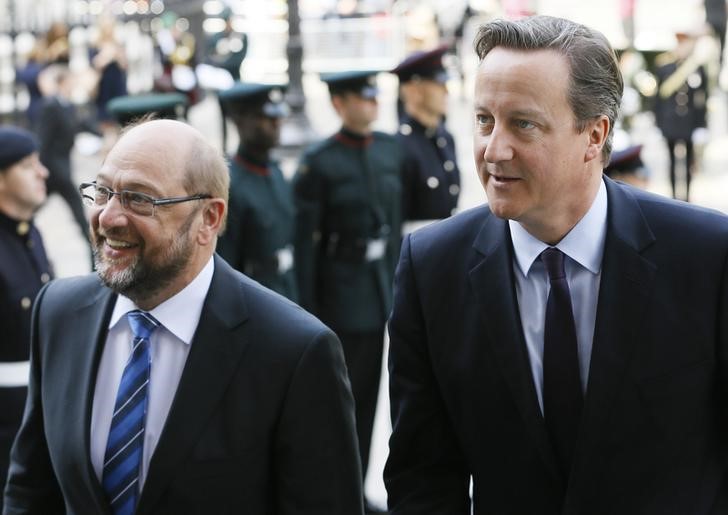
(42, 170)
(497, 146)
(112, 214)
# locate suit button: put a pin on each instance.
(432, 182)
(25, 303)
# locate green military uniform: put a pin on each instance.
(259, 235)
(258, 239)
(347, 193)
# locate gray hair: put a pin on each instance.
(596, 83)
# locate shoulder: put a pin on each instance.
(319, 148)
(456, 232)
(272, 318)
(70, 293)
(675, 220)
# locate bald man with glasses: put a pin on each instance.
(168, 382)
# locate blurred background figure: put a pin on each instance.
(259, 236)
(227, 49)
(716, 14)
(680, 107)
(347, 193)
(24, 269)
(626, 165)
(128, 108)
(176, 49)
(57, 127)
(108, 59)
(431, 177)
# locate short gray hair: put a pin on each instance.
(596, 83)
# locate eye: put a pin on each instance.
(525, 124)
(134, 199)
(101, 194)
(484, 121)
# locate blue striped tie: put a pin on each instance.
(123, 458)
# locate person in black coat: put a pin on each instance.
(57, 127)
(680, 106)
(430, 178)
(24, 268)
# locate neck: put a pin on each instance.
(16, 212)
(358, 130)
(256, 153)
(427, 119)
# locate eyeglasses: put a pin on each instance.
(138, 203)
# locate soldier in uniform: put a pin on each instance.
(347, 192)
(24, 268)
(431, 178)
(681, 104)
(261, 220)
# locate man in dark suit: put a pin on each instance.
(231, 399)
(566, 346)
(24, 269)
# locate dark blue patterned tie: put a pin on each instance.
(123, 458)
(562, 397)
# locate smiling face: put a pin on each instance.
(151, 258)
(535, 166)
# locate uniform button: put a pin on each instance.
(441, 142)
(432, 182)
(430, 132)
(23, 228)
(30, 244)
(44, 277)
(25, 303)
(454, 189)
(405, 129)
(448, 165)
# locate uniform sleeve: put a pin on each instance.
(308, 191)
(230, 244)
(426, 471)
(32, 486)
(317, 457)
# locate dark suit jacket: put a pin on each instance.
(262, 421)
(653, 432)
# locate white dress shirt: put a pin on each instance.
(584, 248)
(170, 345)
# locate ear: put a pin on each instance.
(597, 131)
(212, 217)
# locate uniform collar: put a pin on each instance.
(252, 164)
(353, 139)
(20, 228)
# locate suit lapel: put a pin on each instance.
(624, 291)
(493, 283)
(217, 347)
(93, 316)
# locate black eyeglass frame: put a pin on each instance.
(124, 198)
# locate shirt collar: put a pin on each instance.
(584, 243)
(179, 314)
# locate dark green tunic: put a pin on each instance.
(260, 228)
(347, 193)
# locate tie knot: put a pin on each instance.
(142, 323)
(553, 259)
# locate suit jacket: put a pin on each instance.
(262, 421)
(653, 437)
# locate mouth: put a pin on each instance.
(114, 249)
(502, 179)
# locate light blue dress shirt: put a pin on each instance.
(584, 248)
(170, 345)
